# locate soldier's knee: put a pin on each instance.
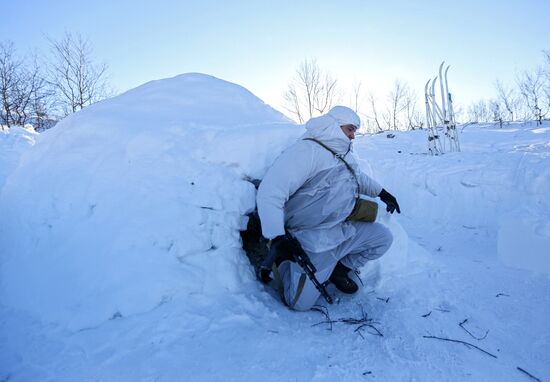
(388, 237)
(386, 240)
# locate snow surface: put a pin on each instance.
(13, 143)
(121, 255)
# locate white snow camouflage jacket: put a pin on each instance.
(310, 191)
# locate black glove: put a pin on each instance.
(280, 249)
(391, 202)
(283, 247)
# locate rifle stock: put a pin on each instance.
(304, 261)
(301, 258)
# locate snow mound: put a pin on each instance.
(135, 200)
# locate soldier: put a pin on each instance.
(312, 192)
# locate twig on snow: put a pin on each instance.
(427, 314)
(502, 294)
(363, 322)
(324, 311)
(529, 374)
(462, 342)
(363, 314)
(467, 331)
(378, 332)
(330, 322)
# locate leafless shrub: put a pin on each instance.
(76, 78)
(533, 88)
(23, 90)
(312, 91)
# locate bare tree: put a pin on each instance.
(78, 81)
(496, 111)
(546, 87)
(22, 87)
(326, 94)
(459, 112)
(479, 112)
(311, 92)
(397, 100)
(9, 81)
(293, 104)
(372, 102)
(546, 54)
(413, 118)
(509, 99)
(532, 89)
(356, 95)
(40, 100)
(32, 95)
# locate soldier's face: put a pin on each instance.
(349, 130)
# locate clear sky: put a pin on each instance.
(259, 43)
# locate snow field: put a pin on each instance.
(121, 257)
(498, 191)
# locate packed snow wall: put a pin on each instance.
(135, 199)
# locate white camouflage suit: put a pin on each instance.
(311, 193)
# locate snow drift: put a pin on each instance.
(126, 203)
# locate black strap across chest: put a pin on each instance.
(339, 157)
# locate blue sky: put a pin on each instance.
(259, 44)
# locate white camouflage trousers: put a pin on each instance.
(370, 242)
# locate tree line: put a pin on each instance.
(527, 97)
(42, 89)
(313, 91)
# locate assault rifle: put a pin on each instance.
(299, 256)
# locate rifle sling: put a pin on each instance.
(339, 157)
(299, 290)
(280, 288)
